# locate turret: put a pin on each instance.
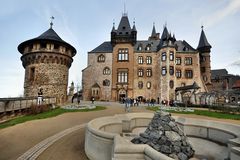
(154, 35)
(204, 49)
(124, 33)
(46, 59)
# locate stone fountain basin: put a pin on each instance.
(108, 137)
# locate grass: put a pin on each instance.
(51, 113)
(204, 113)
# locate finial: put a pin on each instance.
(202, 27)
(124, 10)
(51, 23)
(133, 21)
(153, 23)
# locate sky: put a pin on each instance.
(85, 24)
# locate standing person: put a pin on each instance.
(40, 96)
(78, 98)
(93, 100)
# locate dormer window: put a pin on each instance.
(139, 47)
(148, 47)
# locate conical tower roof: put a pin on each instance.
(153, 31)
(49, 35)
(203, 42)
(124, 26)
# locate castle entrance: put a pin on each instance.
(122, 94)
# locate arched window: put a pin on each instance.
(106, 71)
(171, 56)
(140, 72)
(101, 58)
(106, 82)
(148, 85)
(140, 84)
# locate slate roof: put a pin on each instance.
(49, 35)
(124, 26)
(218, 73)
(106, 47)
(203, 42)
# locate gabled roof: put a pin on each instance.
(203, 42)
(49, 35)
(95, 86)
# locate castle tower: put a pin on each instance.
(154, 35)
(204, 49)
(46, 59)
(123, 40)
(167, 53)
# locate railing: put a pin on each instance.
(21, 103)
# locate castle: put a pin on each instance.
(160, 67)
(46, 59)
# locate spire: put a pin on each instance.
(124, 25)
(134, 27)
(203, 44)
(51, 23)
(113, 28)
(153, 30)
(165, 33)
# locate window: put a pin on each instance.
(189, 74)
(188, 60)
(148, 47)
(149, 60)
(140, 84)
(178, 60)
(148, 85)
(164, 56)
(171, 56)
(171, 84)
(106, 82)
(106, 71)
(122, 77)
(56, 46)
(43, 45)
(123, 54)
(164, 71)
(140, 59)
(203, 69)
(32, 74)
(178, 73)
(149, 72)
(205, 78)
(139, 47)
(140, 72)
(101, 58)
(171, 70)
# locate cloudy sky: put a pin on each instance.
(87, 23)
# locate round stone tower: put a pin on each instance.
(46, 59)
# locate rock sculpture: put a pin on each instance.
(165, 136)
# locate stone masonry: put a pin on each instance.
(165, 136)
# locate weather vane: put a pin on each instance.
(51, 24)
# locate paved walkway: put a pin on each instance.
(34, 136)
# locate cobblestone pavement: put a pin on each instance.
(61, 136)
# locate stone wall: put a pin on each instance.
(94, 74)
(46, 68)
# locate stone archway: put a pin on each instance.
(122, 93)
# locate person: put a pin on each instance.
(93, 100)
(40, 96)
(127, 104)
(78, 98)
